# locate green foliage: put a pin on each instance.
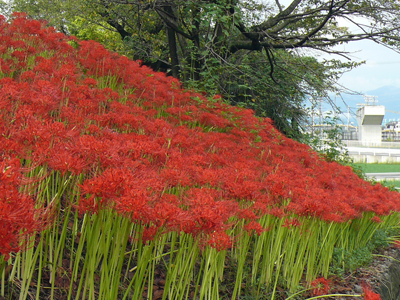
(245, 80)
(57, 13)
(199, 49)
(349, 260)
(85, 30)
(380, 239)
(391, 184)
(5, 8)
(326, 140)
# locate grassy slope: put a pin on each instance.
(379, 168)
(208, 186)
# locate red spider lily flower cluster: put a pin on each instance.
(321, 286)
(163, 156)
(369, 294)
(18, 215)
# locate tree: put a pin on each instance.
(227, 26)
(222, 45)
(247, 81)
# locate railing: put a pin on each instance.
(390, 145)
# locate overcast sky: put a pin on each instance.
(382, 67)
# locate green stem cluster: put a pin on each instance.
(104, 257)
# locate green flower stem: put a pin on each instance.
(144, 258)
(299, 293)
(385, 256)
(59, 250)
(332, 295)
(16, 270)
(28, 266)
(40, 248)
(78, 258)
(180, 267)
(3, 264)
(210, 271)
(241, 250)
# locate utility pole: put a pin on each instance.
(312, 116)
(334, 109)
(320, 118)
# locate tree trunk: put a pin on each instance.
(196, 40)
(173, 49)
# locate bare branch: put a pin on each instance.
(279, 5)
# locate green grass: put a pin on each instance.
(381, 168)
(378, 168)
(391, 183)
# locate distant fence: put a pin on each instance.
(374, 157)
(389, 135)
(389, 145)
(384, 152)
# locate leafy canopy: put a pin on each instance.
(259, 54)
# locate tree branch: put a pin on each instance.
(271, 63)
(279, 5)
(171, 22)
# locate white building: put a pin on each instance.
(369, 118)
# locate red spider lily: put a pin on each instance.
(18, 215)
(254, 226)
(149, 232)
(137, 145)
(207, 211)
(321, 286)
(293, 222)
(376, 219)
(369, 294)
(219, 240)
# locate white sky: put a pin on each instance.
(382, 67)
